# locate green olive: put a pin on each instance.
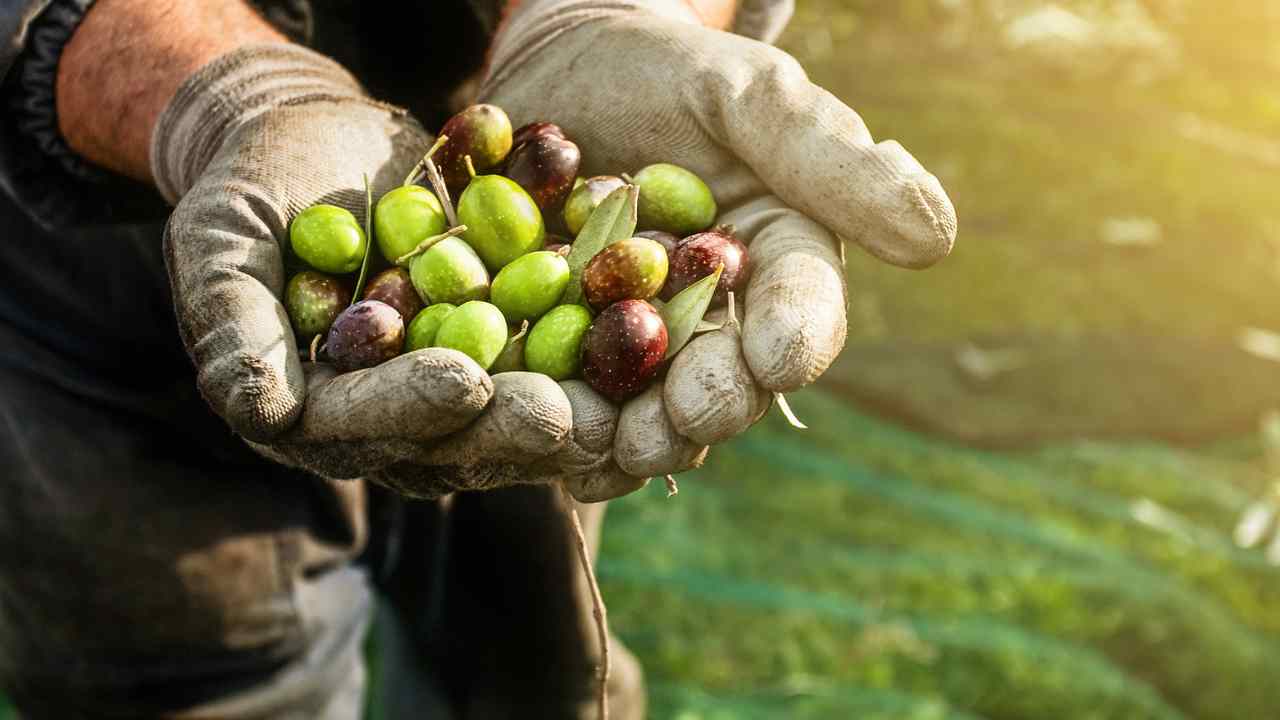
(502, 221)
(476, 329)
(405, 217)
(422, 331)
(530, 286)
(674, 200)
(313, 300)
(584, 198)
(449, 272)
(328, 238)
(554, 346)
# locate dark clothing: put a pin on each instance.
(149, 560)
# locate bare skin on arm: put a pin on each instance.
(125, 62)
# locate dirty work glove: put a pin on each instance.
(637, 82)
(247, 142)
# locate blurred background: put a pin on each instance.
(1022, 491)
(1018, 495)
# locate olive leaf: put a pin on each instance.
(683, 313)
(368, 241)
(613, 219)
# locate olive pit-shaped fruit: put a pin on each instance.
(631, 269)
(554, 345)
(534, 130)
(368, 333)
(449, 272)
(623, 349)
(313, 300)
(511, 359)
(394, 287)
(476, 329)
(405, 217)
(481, 131)
(530, 285)
(697, 256)
(421, 332)
(545, 167)
(585, 197)
(502, 221)
(328, 238)
(673, 199)
(663, 238)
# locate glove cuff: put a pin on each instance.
(229, 92)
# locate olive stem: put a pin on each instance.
(524, 328)
(368, 240)
(672, 488)
(426, 244)
(731, 315)
(415, 174)
(471, 169)
(442, 191)
(597, 602)
(627, 179)
(315, 343)
(785, 407)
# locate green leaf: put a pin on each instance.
(613, 219)
(368, 241)
(683, 313)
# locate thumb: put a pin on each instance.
(816, 154)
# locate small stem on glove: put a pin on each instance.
(785, 407)
(672, 488)
(597, 602)
(426, 244)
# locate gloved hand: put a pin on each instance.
(247, 142)
(791, 167)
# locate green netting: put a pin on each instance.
(865, 564)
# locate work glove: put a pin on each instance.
(246, 143)
(792, 168)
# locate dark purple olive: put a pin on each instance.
(365, 334)
(545, 167)
(481, 131)
(697, 256)
(663, 238)
(393, 287)
(631, 269)
(623, 349)
(525, 133)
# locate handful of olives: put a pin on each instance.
(498, 284)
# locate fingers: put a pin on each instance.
(595, 421)
(709, 392)
(816, 154)
(605, 483)
(647, 442)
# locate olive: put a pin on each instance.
(533, 130)
(674, 199)
(554, 345)
(502, 221)
(313, 300)
(476, 329)
(631, 269)
(511, 359)
(366, 334)
(665, 239)
(328, 238)
(481, 131)
(530, 286)
(394, 287)
(699, 255)
(623, 349)
(449, 272)
(422, 331)
(405, 217)
(545, 167)
(585, 198)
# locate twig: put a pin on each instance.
(419, 167)
(785, 407)
(315, 342)
(597, 602)
(672, 487)
(426, 244)
(442, 191)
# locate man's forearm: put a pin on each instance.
(126, 60)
